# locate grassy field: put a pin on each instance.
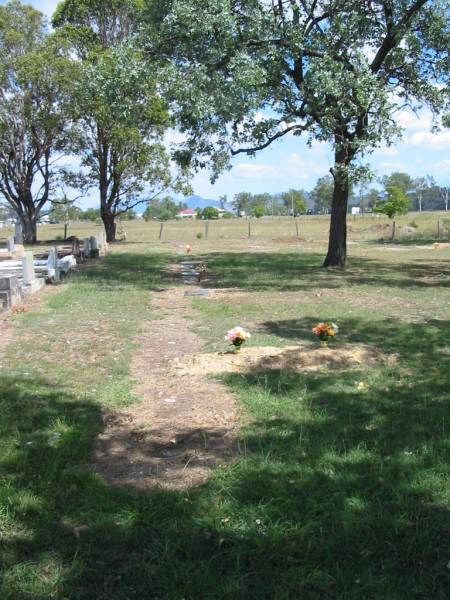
(279, 231)
(342, 491)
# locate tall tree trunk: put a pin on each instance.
(109, 223)
(106, 213)
(28, 217)
(337, 244)
(29, 231)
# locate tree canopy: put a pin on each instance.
(397, 203)
(243, 75)
(120, 112)
(35, 78)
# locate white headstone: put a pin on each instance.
(28, 268)
(52, 264)
(10, 245)
(94, 243)
(18, 234)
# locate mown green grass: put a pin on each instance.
(342, 490)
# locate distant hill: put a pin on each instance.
(199, 202)
(192, 202)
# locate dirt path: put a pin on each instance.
(185, 425)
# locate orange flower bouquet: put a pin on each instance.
(325, 332)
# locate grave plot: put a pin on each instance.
(299, 359)
(191, 273)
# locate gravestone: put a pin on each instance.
(28, 268)
(87, 248)
(10, 292)
(75, 246)
(52, 265)
(94, 246)
(11, 245)
(198, 293)
(18, 234)
(103, 244)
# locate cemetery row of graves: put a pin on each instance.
(24, 273)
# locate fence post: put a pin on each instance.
(206, 229)
(439, 229)
(296, 227)
(249, 229)
(161, 230)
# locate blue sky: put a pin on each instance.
(290, 163)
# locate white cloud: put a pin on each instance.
(429, 140)
(386, 151)
(254, 171)
(410, 120)
(393, 166)
(443, 165)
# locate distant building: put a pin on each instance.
(187, 213)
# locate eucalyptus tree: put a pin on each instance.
(322, 194)
(399, 180)
(245, 73)
(120, 113)
(294, 202)
(35, 77)
(396, 203)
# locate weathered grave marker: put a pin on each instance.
(11, 245)
(10, 293)
(87, 248)
(28, 273)
(94, 247)
(201, 293)
(52, 265)
(18, 234)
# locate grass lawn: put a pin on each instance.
(342, 490)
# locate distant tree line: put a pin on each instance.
(422, 193)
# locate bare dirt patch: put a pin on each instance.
(293, 358)
(185, 425)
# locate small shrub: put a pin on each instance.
(199, 236)
(413, 224)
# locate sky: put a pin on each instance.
(290, 163)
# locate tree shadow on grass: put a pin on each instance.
(341, 493)
(296, 272)
(263, 272)
(141, 271)
(421, 345)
